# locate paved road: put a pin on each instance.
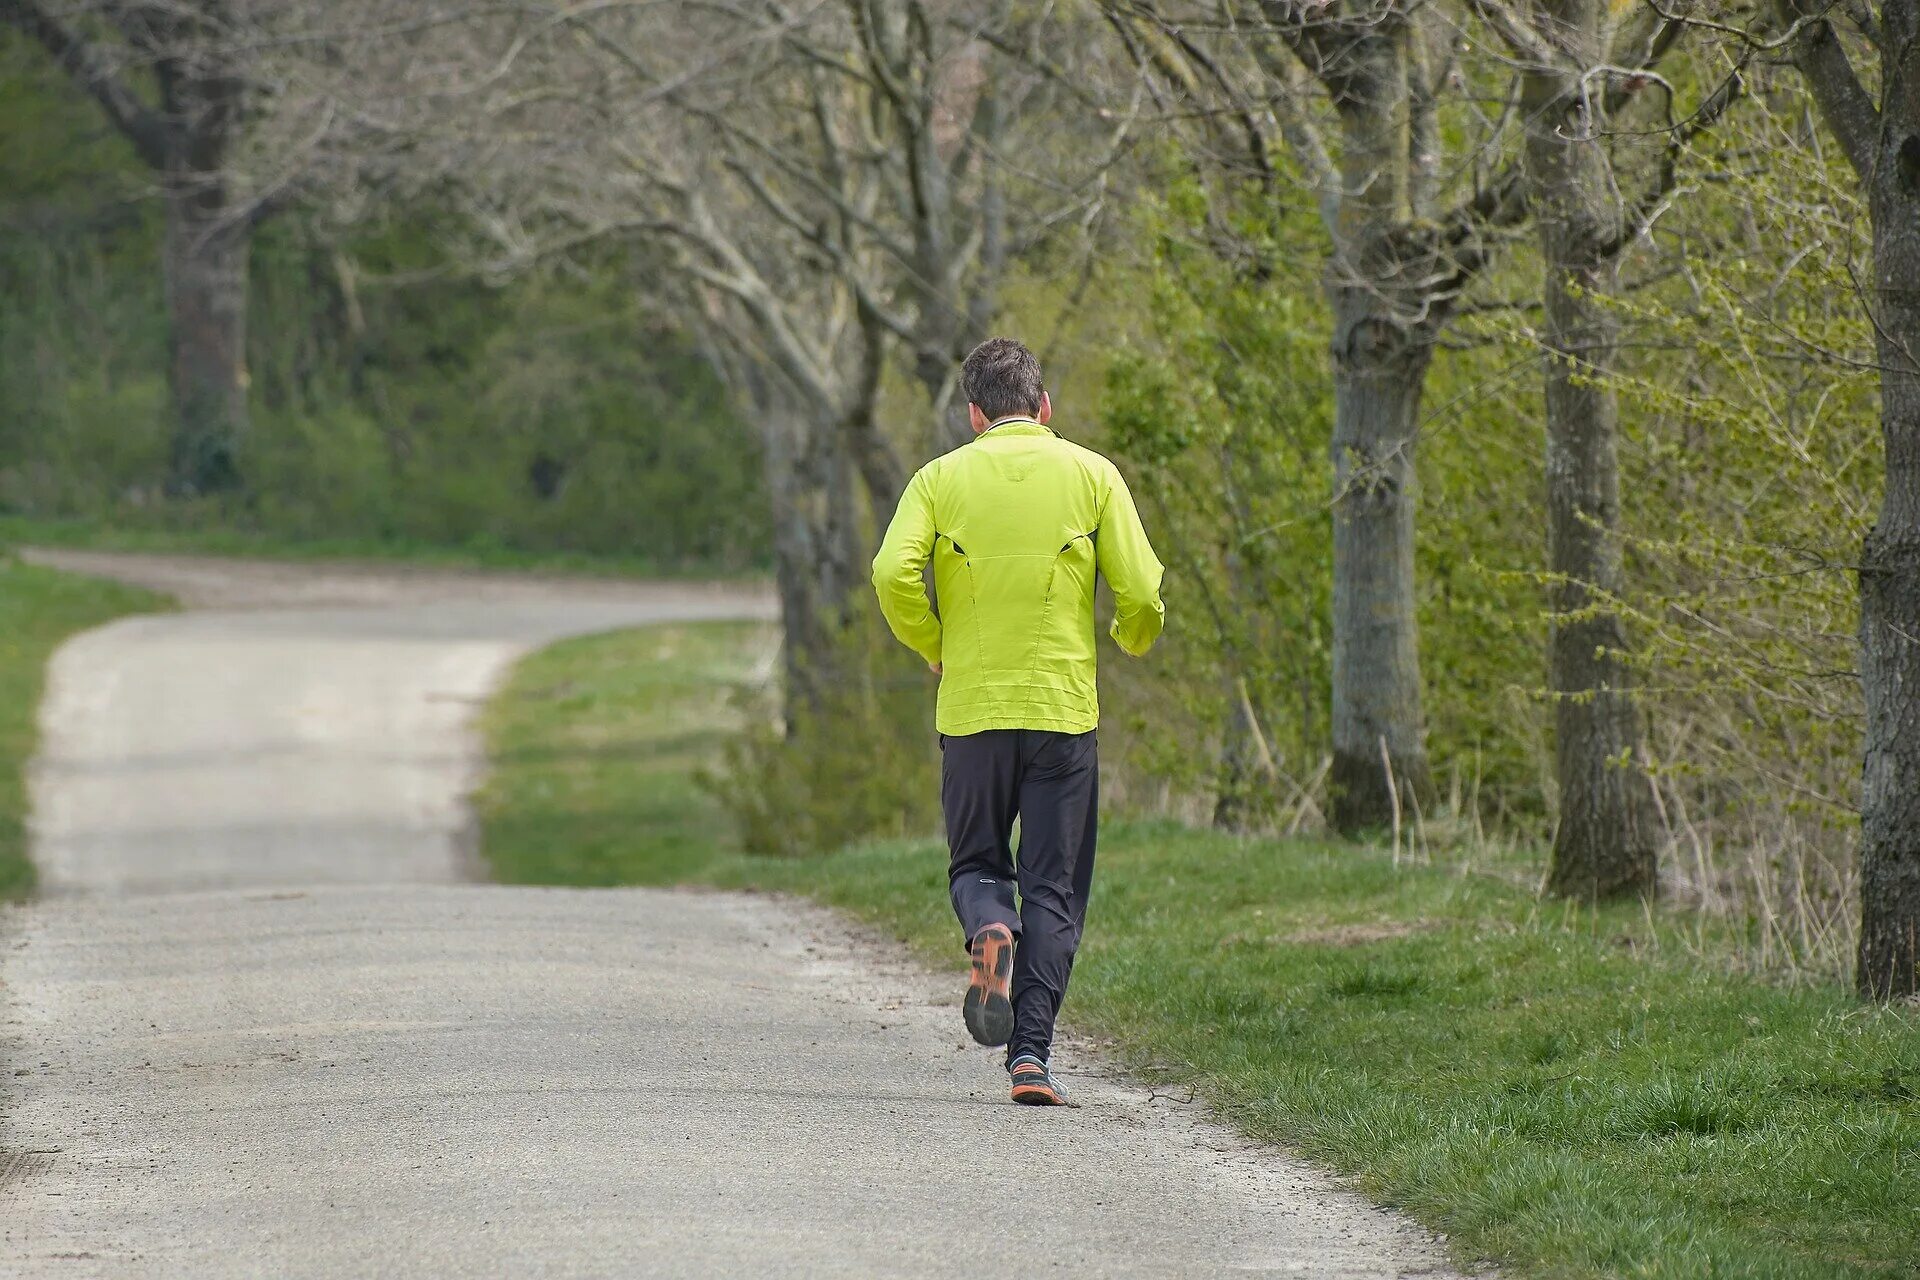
(258, 1025)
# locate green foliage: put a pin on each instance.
(594, 744)
(1750, 467)
(1754, 456)
(38, 609)
(1222, 410)
(1224, 421)
(549, 415)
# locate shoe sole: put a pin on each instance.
(1037, 1095)
(988, 1009)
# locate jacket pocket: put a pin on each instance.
(956, 586)
(1065, 634)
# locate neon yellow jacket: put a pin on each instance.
(1017, 521)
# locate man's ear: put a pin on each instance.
(1045, 415)
(976, 419)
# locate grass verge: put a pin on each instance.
(38, 609)
(1573, 1093)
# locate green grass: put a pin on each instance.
(1572, 1093)
(38, 609)
(594, 745)
(215, 539)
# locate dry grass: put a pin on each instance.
(1753, 878)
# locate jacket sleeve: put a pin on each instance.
(899, 568)
(1132, 571)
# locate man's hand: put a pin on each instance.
(934, 667)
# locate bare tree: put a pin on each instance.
(1881, 141)
(1605, 841)
(1378, 105)
(823, 185)
(736, 149)
(819, 549)
(782, 307)
(1589, 206)
(803, 359)
(971, 124)
(1000, 144)
(945, 117)
(1377, 75)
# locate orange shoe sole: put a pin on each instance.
(1039, 1094)
(988, 1009)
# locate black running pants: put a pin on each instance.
(1051, 782)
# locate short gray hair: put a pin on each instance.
(1003, 378)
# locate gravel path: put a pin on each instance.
(259, 1024)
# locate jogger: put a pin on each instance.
(1051, 782)
(1017, 526)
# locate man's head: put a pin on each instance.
(1001, 379)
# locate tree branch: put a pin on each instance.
(1648, 207)
(1844, 103)
(91, 70)
(1520, 35)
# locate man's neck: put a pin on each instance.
(1013, 417)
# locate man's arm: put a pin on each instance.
(1127, 562)
(899, 568)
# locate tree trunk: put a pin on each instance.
(1236, 797)
(1379, 742)
(793, 550)
(1385, 318)
(205, 254)
(882, 473)
(816, 551)
(1604, 846)
(933, 370)
(187, 140)
(1882, 143)
(1889, 955)
(1235, 774)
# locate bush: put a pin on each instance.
(860, 764)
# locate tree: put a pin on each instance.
(954, 141)
(1587, 214)
(1881, 141)
(819, 550)
(736, 150)
(943, 113)
(1363, 97)
(822, 188)
(1604, 843)
(1392, 279)
(186, 132)
(1378, 72)
(239, 108)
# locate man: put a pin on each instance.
(1017, 522)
